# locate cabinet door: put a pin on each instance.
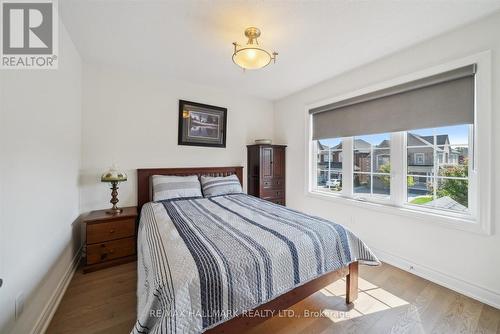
(278, 162)
(267, 162)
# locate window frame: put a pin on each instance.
(480, 144)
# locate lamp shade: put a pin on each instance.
(113, 175)
(251, 57)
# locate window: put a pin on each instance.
(434, 165)
(443, 182)
(419, 158)
(438, 165)
(328, 161)
(372, 166)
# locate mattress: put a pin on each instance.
(203, 261)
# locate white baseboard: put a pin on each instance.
(50, 308)
(468, 289)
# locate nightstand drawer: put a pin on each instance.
(111, 230)
(110, 250)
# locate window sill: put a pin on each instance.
(458, 223)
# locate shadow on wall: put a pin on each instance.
(40, 302)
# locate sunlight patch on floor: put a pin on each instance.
(338, 316)
(386, 297)
(365, 285)
(371, 299)
(337, 288)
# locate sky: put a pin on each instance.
(458, 135)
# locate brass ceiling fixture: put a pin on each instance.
(252, 56)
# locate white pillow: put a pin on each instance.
(169, 187)
(213, 186)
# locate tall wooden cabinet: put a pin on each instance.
(266, 172)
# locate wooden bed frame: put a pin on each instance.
(282, 302)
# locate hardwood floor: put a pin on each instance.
(390, 301)
(101, 302)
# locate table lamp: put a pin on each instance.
(113, 176)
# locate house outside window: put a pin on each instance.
(371, 166)
(329, 165)
(440, 182)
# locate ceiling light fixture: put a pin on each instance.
(252, 56)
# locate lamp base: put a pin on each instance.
(114, 200)
(113, 211)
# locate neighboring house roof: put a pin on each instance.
(325, 147)
(321, 146)
(414, 139)
(360, 144)
(385, 143)
(447, 202)
(440, 139)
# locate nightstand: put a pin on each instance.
(110, 239)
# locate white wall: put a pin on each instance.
(40, 152)
(132, 118)
(464, 261)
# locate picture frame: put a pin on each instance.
(201, 124)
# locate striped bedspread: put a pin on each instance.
(203, 261)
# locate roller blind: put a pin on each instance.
(439, 100)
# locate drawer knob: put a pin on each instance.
(111, 251)
(112, 231)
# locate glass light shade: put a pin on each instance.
(113, 175)
(251, 57)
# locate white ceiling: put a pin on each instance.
(191, 40)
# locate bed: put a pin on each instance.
(226, 263)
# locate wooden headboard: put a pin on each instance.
(144, 175)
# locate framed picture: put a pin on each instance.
(202, 124)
